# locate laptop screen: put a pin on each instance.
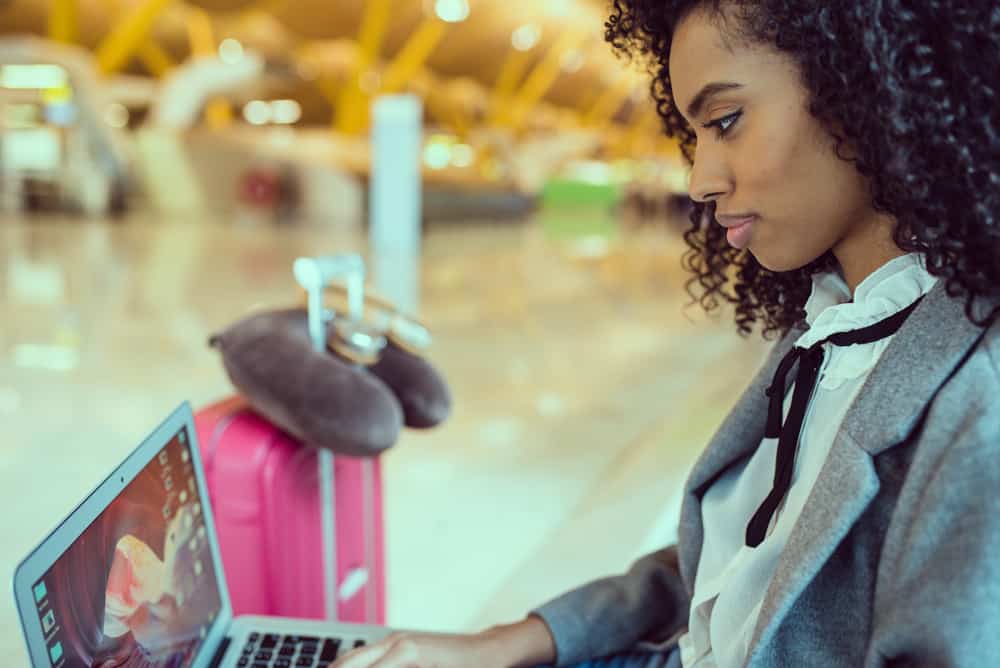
(137, 589)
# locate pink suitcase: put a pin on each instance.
(267, 496)
(300, 530)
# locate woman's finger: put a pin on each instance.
(404, 653)
(363, 657)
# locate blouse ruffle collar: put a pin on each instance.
(830, 310)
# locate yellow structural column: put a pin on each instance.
(63, 20)
(607, 105)
(352, 109)
(511, 72)
(127, 35)
(542, 77)
(647, 123)
(156, 60)
(414, 54)
(201, 34)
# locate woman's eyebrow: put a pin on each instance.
(707, 92)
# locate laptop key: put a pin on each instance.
(359, 643)
(263, 655)
(330, 648)
(282, 662)
(243, 662)
(254, 637)
(309, 648)
(286, 650)
(270, 641)
(306, 661)
(309, 639)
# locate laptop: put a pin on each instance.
(133, 577)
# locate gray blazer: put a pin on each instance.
(895, 560)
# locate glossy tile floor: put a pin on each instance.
(583, 389)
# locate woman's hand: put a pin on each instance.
(426, 650)
(526, 643)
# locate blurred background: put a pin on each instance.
(162, 162)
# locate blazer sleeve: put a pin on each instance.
(611, 615)
(937, 602)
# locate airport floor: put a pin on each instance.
(583, 388)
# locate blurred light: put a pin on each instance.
(286, 112)
(551, 405)
(37, 148)
(452, 11)
(437, 155)
(257, 112)
(230, 51)
(116, 115)
(590, 171)
(33, 77)
(526, 37)
(36, 283)
(558, 8)
(592, 246)
(62, 114)
(572, 61)
(48, 357)
(462, 155)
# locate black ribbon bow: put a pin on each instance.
(810, 362)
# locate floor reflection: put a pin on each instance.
(583, 390)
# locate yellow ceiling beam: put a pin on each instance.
(352, 110)
(511, 73)
(607, 105)
(201, 32)
(127, 35)
(156, 60)
(414, 54)
(646, 125)
(64, 19)
(201, 35)
(541, 79)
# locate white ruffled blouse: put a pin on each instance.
(732, 578)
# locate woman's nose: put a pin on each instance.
(708, 178)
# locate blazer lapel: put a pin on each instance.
(738, 436)
(914, 365)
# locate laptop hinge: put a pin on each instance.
(220, 652)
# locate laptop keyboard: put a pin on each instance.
(271, 650)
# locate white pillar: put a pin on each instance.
(395, 202)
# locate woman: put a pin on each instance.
(846, 177)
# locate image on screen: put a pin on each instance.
(137, 589)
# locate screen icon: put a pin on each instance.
(49, 621)
(55, 652)
(40, 592)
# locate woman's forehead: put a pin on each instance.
(701, 54)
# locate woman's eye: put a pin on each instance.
(724, 124)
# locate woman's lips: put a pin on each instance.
(739, 231)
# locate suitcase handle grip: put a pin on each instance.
(315, 274)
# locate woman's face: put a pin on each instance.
(763, 153)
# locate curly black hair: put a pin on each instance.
(910, 86)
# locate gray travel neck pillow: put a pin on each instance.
(325, 400)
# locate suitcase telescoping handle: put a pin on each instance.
(315, 274)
